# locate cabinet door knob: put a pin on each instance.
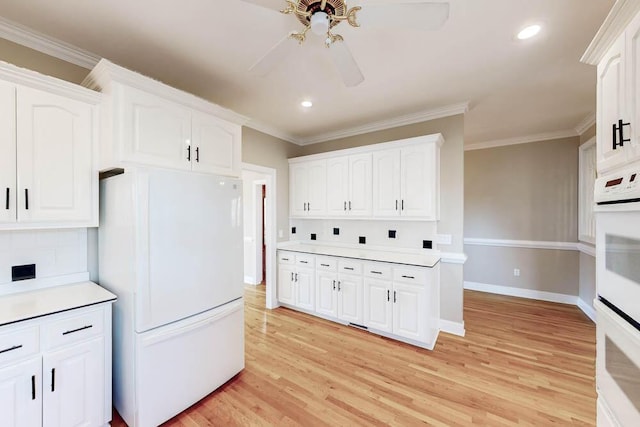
(349, 204)
(53, 380)
(188, 153)
(334, 285)
(387, 294)
(345, 206)
(6, 203)
(338, 286)
(394, 296)
(33, 387)
(198, 154)
(26, 198)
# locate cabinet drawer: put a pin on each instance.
(286, 258)
(412, 275)
(73, 328)
(304, 260)
(349, 267)
(326, 264)
(378, 270)
(18, 344)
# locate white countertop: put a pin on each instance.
(27, 305)
(427, 259)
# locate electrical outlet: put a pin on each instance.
(516, 272)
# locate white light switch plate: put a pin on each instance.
(443, 239)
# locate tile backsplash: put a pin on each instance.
(55, 252)
(392, 234)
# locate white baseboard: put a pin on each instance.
(587, 309)
(455, 328)
(522, 293)
(250, 280)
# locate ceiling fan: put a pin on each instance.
(322, 16)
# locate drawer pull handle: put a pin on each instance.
(26, 198)
(387, 294)
(394, 297)
(198, 154)
(53, 379)
(304, 262)
(189, 153)
(408, 277)
(376, 272)
(33, 387)
(15, 347)
(334, 285)
(77, 330)
(6, 203)
(285, 259)
(324, 265)
(348, 268)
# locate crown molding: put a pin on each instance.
(48, 45)
(616, 21)
(547, 136)
(421, 116)
(270, 130)
(586, 123)
(22, 76)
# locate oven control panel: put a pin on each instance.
(620, 187)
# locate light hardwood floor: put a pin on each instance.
(522, 362)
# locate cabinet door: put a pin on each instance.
(7, 153)
(21, 394)
(305, 289)
(286, 274)
(74, 385)
(360, 187)
(350, 299)
(408, 311)
(386, 183)
(377, 304)
(56, 180)
(298, 187)
(418, 184)
(155, 131)
(610, 87)
(632, 89)
(317, 188)
(215, 145)
(326, 294)
(337, 186)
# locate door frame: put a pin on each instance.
(270, 231)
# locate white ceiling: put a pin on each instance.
(514, 88)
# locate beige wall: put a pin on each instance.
(523, 192)
(265, 150)
(587, 291)
(451, 193)
(33, 60)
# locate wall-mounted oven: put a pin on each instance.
(618, 301)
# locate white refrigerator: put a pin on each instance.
(170, 248)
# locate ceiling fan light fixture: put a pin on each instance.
(319, 23)
(528, 32)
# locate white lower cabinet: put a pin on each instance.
(398, 301)
(296, 280)
(55, 370)
(21, 393)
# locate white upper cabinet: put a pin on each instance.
(399, 179)
(406, 182)
(158, 131)
(48, 149)
(349, 185)
(611, 108)
(616, 51)
(146, 122)
(308, 189)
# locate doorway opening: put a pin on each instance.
(259, 200)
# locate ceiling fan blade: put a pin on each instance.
(409, 15)
(276, 5)
(347, 66)
(274, 56)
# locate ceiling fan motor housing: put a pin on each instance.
(331, 8)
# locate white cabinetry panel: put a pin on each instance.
(215, 145)
(21, 394)
(7, 153)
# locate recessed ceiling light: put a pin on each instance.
(307, 104)
(529, 32)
